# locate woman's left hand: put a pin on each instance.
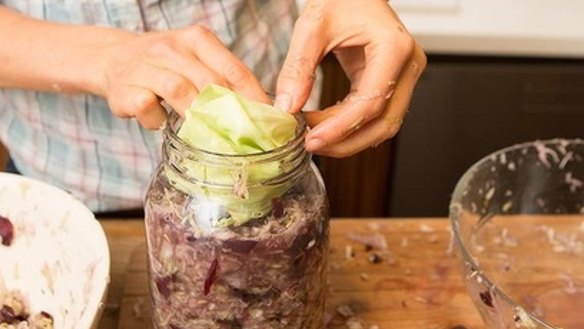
(379, 56)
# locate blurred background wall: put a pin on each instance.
(499, 72)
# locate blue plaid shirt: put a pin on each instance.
(75, 143)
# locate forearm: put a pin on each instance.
(45, 56)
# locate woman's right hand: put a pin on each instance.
(141, 70)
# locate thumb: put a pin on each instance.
(298, 73)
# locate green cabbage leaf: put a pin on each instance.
(223, 122)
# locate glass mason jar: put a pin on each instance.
(236, 241)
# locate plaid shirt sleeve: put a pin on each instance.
(74, 142)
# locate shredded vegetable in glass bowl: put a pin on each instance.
(518, 221)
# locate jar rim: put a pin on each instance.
(290, 157)
(171, 131)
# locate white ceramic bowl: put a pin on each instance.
(59, 258)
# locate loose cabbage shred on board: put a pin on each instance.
(223, 122)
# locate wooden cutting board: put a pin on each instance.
(418, 286)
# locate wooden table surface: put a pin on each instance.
(418, 285)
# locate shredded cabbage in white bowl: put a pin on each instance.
(58, 260)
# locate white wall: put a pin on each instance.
(501, 27)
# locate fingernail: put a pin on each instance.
(315, 132)
(356, 125)
(283, 102)
(162, 126)
(391, 90)
(314, 145)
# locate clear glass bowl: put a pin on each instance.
(518, 221)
